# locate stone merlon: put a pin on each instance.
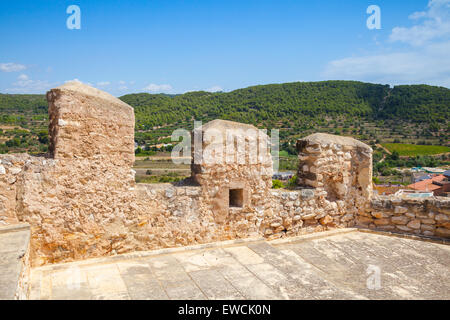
(88, 123)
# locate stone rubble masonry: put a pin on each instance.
(82, 200)
(427, 217)
(79, 200)
(220, 170)
(342, 166)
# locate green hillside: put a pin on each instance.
(369, 112)
(273, 102)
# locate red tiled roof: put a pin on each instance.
(427, 185)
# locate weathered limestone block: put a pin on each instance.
(442, 218)
(326, 220)
(410, 215)
(403, 228)
(400, 209)
(400, 220)
(307, 194)
(380, 214)
(426, 227)
(427, 221)
(414, 224)
(363, 220)
(443, 232)
(381, 221)
(348, 217)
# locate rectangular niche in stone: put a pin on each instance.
(236, 198)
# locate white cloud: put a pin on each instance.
(73, 80)
(103, 83)
(214, 89)
(435, 25)
(11, 67)
(158, 88)
(79, 81)
(25, 84)
(426, 60)
(417, 15)
(428, 66)
(23, 77)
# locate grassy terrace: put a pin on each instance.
(412, 150)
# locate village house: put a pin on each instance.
(438, 184)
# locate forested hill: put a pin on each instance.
(270, 104)
(372, 113)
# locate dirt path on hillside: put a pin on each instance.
(380, 146)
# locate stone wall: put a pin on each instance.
(79, 198)
(338, 170)
(82, 201)
(305, 211)
(342, 166)
(428, 217)
(182, 217)
(10, 167)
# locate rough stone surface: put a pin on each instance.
(342, 166)
(225, 163)
(418, 216)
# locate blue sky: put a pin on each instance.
(179, 46)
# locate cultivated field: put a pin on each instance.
(159, 168)
(412, 150)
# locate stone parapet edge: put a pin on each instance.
(15, 227)
(311, 236)
(406, 236)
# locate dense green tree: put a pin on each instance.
(43, 136)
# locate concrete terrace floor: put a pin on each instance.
(13, 246)
(334, 266)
